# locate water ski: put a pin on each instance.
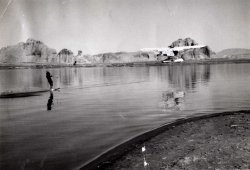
(56, 89)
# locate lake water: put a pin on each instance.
(98, 108)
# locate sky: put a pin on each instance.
(97, 26)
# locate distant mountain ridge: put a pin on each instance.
(234, 53)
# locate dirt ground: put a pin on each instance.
(221, 142)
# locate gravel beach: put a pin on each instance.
(221, 142)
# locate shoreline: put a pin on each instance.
(129, 64)
(112, 159)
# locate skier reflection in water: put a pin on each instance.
(50, 101)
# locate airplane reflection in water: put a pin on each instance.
(172, 100)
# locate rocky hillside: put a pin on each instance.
(36, 52)
(197, 53)
(65, 56)
(122, 57)
(118, 57)
(183, 42)
(234, 53)
(31, 51)
(192, 54)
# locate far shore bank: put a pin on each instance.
(130, 64)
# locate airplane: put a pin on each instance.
(170, 54)
(170, 51)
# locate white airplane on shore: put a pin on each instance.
(170, 54)
(170, 51)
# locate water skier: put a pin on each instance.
(50, 81)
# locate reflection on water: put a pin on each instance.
(30, 79)
(98, 108)
(172, 100)
(50, 101)
(187, 77)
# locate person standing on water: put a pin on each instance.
(48, 76)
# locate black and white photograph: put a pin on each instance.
(125, 84)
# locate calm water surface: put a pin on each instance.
(98, 108)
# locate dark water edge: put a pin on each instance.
(4, 66)
(119, 150)
(21, 94)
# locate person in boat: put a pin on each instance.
(50, 81)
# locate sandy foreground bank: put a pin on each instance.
(220, 142)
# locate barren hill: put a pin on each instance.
(234, 53)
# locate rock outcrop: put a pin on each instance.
(197, 53)
(183, 42)
(192, 53)
(65, 56)
(31, 51)
(126, 57)
(118, 57)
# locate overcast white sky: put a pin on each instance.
(96, 26)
